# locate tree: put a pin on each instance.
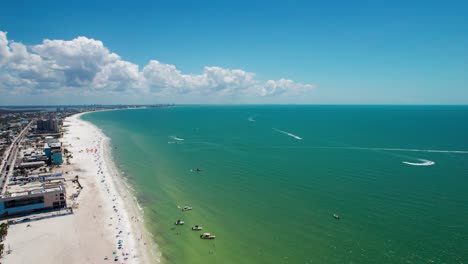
(3, 230)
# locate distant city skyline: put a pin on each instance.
(243, 52)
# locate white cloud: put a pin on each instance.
(283, 86)
(4, 49)
(86, 66)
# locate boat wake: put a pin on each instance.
(375, 149)
(415, 150)
(252, 118)
(422, 163)
(177, 138)
(287, 133)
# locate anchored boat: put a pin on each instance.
(187, 208)
(207, 236)
(197, 228)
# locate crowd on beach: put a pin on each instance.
(125, 245)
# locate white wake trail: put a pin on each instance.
(289, 134)
(422, 163)
(415, 150)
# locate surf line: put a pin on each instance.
(287, 133)
(422, 163)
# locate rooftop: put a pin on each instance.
(34, 188)
(52, 145)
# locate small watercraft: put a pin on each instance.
(207, 236)
(197, 228)
(187, 208)
(197, 170)
(336, 216)
(179, 222)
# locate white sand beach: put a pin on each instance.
(105, 211)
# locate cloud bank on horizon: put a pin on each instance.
(85, 66)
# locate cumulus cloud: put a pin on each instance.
(283, 86)
(86, 66)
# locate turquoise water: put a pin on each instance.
(270, 197)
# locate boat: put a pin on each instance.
(207, 236)
(187, 208)
(197, 228)
(336, 216)
(179, 222)
(197, 170)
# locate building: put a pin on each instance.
(53, 125)
(54, 152)
(32, 164)
(49, 125)
(33, 197)
(56, 158)
(33, 177)
(35, 157)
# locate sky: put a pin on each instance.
(233, 52)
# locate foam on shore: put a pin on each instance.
(129, 213)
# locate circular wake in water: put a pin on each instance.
(422, 163)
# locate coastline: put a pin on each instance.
(104, 212)
(141, 240)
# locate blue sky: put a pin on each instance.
(330, 52)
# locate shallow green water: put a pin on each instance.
(269, 197)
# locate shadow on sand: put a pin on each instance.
(26, 218)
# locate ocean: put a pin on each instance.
(273, 177)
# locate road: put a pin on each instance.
(10, 158)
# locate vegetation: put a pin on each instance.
(3, 233)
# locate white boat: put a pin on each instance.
(207, 236)
(187, 208)
(336, 216)
(197, 228)
(179, 222)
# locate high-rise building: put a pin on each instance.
(40, 125)
(48, 125)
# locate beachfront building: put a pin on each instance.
(53, 151)
(32, 177)
(49, 125)
(33, 197)
(56, 158)
(35, 157)
(32, 164)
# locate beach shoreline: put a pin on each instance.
(106, 222)
(141, 239)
